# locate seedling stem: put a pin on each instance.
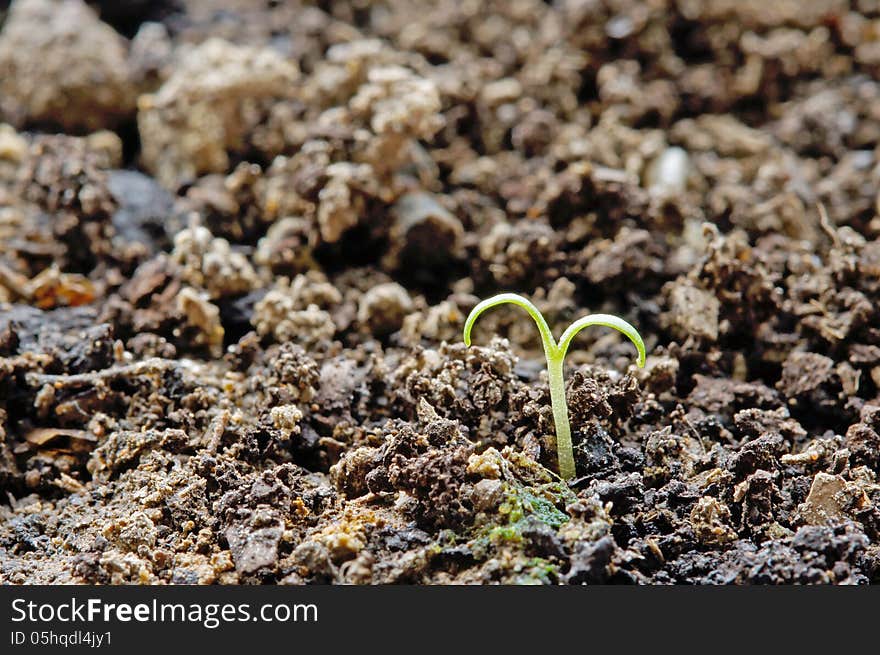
(555, 355)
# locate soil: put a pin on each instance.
(237, 248)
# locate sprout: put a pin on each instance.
(555, 354)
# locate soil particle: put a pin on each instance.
(513, 255)
(142, 207)
(62, 340)
(669, 455)
(711, 521)
(812, 556)
(693, 312)
(425, 235)
(805, 372)
(286, 249)
(203, 317)
(383, 308)
(208, 108)
(296, 311)
(863, 440)
(632, 256)
(830, 500)
(81, 80)
(68, 177)
(124, 448)
(425, 467)
(343, 198)
(590, 562)
(253, 548)
(437, 323)
(755, 423)
(726, 396)
(209, 263)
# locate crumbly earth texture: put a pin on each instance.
(235, 262)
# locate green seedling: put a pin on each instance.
(555, 354)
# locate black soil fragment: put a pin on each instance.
(237, 250)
